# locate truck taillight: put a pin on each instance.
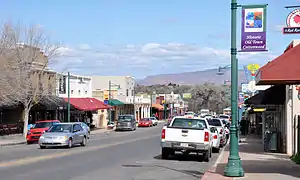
(215, 137)
(163, 134)
(206, 136)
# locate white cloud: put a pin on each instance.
(151, 58)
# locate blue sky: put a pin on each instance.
(141, 38)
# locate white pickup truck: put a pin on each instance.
(187, 135)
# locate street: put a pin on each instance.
(113, 156)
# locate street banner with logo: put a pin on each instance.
(254, 28)
(292, 23)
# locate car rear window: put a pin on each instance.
(214, 122)
(187, 123)
(125, 118)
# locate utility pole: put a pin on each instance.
(234, 166)
(69, 105)
(151, 99)
(109, 97)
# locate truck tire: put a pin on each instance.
(206, 156)
(164, 153)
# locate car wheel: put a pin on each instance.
(164, 153)
(206, 156)
(216, 150)
(70, 143)
(42, 147)
(83, 143)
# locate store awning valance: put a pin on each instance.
(87, 104)
(282, 70)
(274, 95)
(158, 106)
(115, 102)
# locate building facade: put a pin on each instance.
(80, 86)
(123, 84)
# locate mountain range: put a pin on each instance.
(193, 78)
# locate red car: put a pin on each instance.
(146, 122)
(39, 128)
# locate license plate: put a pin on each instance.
(184, 144)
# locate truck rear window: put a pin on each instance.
(187, 123)
(214, 122)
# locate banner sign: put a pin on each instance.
(292, 23)
(254, 28)
(62, 84)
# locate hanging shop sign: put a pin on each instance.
(292, 23)
(254, 28)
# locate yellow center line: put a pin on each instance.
(30, 160)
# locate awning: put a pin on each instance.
(274, 95)
(282, 70)
(158, 106)
(87, 104)
(115, 102)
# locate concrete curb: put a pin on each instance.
(214, 167)
(12, 144)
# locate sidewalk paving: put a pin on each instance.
(256, 163)
(17, 139)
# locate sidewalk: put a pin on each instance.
(256, 163)
(17, 139)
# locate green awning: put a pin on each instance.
(115, 102)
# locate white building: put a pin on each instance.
(80, 86)
(124, 84)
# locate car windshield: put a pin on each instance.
(66, 128)
(189, 123)
(214, 122)
(43, 124)
(124, 118)
(224, 117)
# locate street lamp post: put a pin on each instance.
(234, 166)
(110, 84)
(151, 98)
(69, 105)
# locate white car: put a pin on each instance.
(216, 139)
(189, 114)
(154, 121)
(187, 135)
(221, 130)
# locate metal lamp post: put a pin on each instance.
(69, 105)
(151, 98)
(234, 166)
(110, 85)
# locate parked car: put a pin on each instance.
(227, 128)
(64, 134)
(216, 139)
(86, 128)
(189, 114)
(34, 134)
(146, 122)
(126, 122)
(154, 121)
(186, 135)
(215, 122)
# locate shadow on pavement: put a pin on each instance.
(180, 157)
(265, 167)
(196, 174)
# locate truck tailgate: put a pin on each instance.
(184, 135)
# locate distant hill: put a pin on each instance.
(192, 78)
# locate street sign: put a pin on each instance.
(293, 23)
(105, 101)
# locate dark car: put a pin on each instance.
(126, 122)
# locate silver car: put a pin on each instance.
(86, 128)
(64, 134)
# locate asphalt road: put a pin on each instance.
(110, 156)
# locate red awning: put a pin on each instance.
(285, 69)
(87, 104)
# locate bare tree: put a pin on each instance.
(26, 53)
